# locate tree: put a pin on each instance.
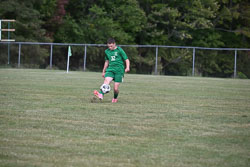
(175, 22)
(95, 22)
(28, 27)
(205, 23)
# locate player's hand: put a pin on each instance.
(127, 70)
(103, 74)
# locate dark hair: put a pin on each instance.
(111, 40)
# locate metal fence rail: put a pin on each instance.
(145, 46)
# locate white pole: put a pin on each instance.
(68, 64)
(69, 54)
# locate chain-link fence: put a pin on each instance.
(145, 59)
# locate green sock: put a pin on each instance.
(101, 92)
(115, 95)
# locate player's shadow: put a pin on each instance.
(96, 100)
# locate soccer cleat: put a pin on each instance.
(114, 100)
(98, 95)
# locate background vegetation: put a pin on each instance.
(209, 23)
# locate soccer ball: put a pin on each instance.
(105, 88)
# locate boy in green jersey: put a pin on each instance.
(113, 69)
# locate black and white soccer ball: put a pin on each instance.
(105, 88)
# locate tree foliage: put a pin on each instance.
(203, 23)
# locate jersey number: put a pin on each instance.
(112, 58)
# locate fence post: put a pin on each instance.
(156, 60)
(8, 44)
(19, 55)
(51, 52)
(84, 59)
(235, 63)
(8, 53)
(0, 29)
(193, 61)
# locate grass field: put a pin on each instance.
(47, 119)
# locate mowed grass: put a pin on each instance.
(47, 119)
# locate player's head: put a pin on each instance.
(110, 40)
(111, 43)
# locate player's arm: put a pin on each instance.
(127, 69)
(125, 57)
(106, 64)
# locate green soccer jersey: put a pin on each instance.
(116, 59)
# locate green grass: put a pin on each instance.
(47, 119)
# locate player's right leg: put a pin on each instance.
(107, 80)
(100, 94)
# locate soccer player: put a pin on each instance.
(113, 69)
